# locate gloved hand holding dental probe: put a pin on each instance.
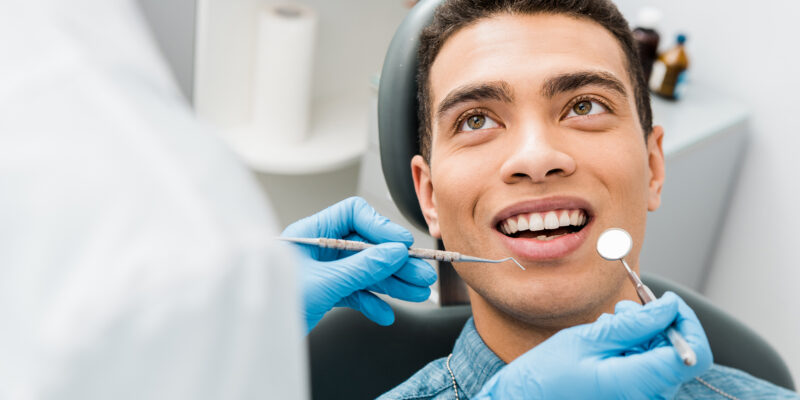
(619, 356)
(333, 278)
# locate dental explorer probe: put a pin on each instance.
(614, 244)
(430, 254)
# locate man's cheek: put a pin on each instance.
(457, 232)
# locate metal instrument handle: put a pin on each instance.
(438, 255)
(341, 244)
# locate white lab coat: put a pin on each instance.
(135, 251)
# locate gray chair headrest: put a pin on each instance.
(397, 111)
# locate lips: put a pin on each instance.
(545, 229)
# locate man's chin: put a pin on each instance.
(547, 307)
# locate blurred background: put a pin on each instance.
(726, 227)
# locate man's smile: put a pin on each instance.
(544, 225)
(544, 229)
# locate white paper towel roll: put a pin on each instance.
(284, 66)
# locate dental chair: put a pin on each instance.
(353, 358)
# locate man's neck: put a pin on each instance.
(509, 337)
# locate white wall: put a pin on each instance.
(749, 50)
(353, 38)
(298, 196)
(173, 25)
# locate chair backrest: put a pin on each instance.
(733, 343)
(353, 358)
(397, 110)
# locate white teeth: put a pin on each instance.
(536, 222)
(540, 221)
(542, 237)
(522, 223)
(563, 220)
(551, 220)
(574, 217)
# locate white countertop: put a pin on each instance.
(700, 114)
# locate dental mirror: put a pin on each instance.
(614, 244)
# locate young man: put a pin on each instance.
(536, 135)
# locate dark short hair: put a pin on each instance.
(453, 15)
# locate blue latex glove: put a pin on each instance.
(620, 356)
(332, 278)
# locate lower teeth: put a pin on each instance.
(548, 238)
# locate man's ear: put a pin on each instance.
(655, 160)
(421, 172)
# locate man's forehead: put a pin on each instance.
(525, 48)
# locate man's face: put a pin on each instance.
(534, 123)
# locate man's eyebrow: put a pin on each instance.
(576, 80)
(498, 90)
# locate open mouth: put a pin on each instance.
(544, 226)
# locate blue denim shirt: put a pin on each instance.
(473, 363)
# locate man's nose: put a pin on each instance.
(537, 154)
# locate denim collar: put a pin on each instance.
(473, 363)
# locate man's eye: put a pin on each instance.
(586, 107)
(477, 122)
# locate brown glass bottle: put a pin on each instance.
(647, 44)
(668, 78)
(647, 39)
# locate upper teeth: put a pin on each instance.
(539, 221)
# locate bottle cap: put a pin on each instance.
(681, 38)
(648, 18)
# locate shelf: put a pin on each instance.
(700, 114)
(338, 138)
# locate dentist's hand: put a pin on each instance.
(620, 356)
(333, 278)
